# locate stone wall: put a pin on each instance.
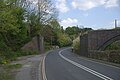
(84, 45)
(110, 56)
(32, 45)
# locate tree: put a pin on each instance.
(48, 33)
(19, 17)
(39, 15)
(56, 30)
(46, 12)
(73, 32)
(12, 26)
(13, 32)
(64, 40)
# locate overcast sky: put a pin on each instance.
(97, 14)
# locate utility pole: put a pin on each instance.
(115, 23)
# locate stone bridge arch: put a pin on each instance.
(98, 40)
(108, 42)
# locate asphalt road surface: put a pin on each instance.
(62, 64)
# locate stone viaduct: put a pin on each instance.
(98, 40)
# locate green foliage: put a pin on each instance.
(11, 17)
(18, 24)
(25, 53)
(13, 30)
(56, 26)
(74, 31)
(33, 24)
(14, 66)
(12, 27)
(6, 72)
(117, 27)
(5, 52)
(76, 44)
(52, 33)
(48, 33)
(64, 40)
(114, 46)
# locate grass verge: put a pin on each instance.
(7, 72)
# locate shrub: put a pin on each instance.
(6, 54)
(114, 46)
(76, 44)
(25, 53)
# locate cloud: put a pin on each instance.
(118, 23)
(111, 3)
(35, 2)
(68, 22)
(61, 5)
(89, 4)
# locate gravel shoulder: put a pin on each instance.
(30, 69)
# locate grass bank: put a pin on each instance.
(7, 72)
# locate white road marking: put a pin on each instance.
(99, 62)
(43, 69)
(39, 74)
(85, 68)
(43, 66)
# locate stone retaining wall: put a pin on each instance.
(32, 45)
(110, 56)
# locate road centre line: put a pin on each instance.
(85, 68)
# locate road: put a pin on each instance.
(62, 64)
